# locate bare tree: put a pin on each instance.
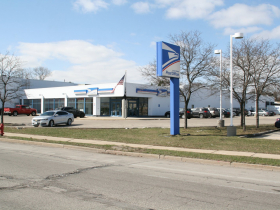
(11, 81)
(196, 62)
(41, 72)
(243, 60)
(149, 72)
(266, 69)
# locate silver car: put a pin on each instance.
(52, 118)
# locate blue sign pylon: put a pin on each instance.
(168, 65)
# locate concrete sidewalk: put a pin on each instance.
(99, 142)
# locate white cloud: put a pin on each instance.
(153, 44)
(88, 63)
(244, 15)
(230, 31)
(119, 2)
(190, 9)
(90, 5)
(141, 7)
(273, 34)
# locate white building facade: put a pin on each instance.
(129, 100)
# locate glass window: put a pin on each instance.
(48, 104)
(33, 103)
(143, 106)
(71, 102)
(80, 104)
(89, 106)
(105, 106)
(58, 102)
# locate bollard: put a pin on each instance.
(1, 129)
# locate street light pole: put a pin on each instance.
(221, 121)
(231, 131)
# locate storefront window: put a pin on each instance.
(105, 106)
(89, 106)
(53, 103)
(33, 103)
(58, 102)
(80, 104)
(71, 102)
(48, 104)
(143, 106)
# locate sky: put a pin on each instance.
(97, 41)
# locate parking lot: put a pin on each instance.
(117, 122)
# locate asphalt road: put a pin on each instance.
(35, 177)
(111, 122)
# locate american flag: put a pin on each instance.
(119, 83)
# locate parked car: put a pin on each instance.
(277, 123)
(201, 112)
(225, 112)
(189, 113)
(181, 113)
(20, 109)
(261, 113)
(237, 111)
(52, 118)
(270, 113)
(214, 112)
(75, 112)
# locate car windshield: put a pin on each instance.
(48, 114)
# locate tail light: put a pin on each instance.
(205, 111)
(188, 112)
(277, 119)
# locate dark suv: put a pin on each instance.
(75, 112)
(200, 112)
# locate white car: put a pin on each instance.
(261, 113)
(52, 118)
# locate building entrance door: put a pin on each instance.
(116, 109)
(133, 108)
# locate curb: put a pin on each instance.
(143, 155)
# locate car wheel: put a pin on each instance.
(35, 126)
(28, 114)
(82, 115)
(15, 113)
(51, 123)
(210, 116)
(201, 116)
(168, 115)
(69, 122)
(33, 113)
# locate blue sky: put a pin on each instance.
(96, 41)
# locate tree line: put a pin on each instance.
(256, 69)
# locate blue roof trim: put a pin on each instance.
(105, 89)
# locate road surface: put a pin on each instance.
(37, 177)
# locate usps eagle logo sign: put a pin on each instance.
(168, 60)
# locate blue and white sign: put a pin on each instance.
(168, 60)
(92, 91)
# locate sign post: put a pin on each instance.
(168, 65)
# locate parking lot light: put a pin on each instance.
(221, 121)
(231, 129)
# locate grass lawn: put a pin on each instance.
(212, 138)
